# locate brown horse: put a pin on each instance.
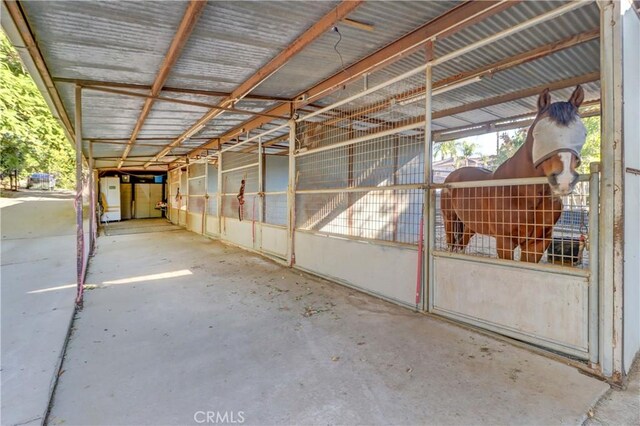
(520, 215)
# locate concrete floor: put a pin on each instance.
(37, 291)
(178, 326)
(619, 407)
(138, 226)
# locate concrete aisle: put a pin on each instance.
(181, 328)
(38, 289)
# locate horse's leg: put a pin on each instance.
(534, 248)
(449, 218)
(505, 246)
(463, 242)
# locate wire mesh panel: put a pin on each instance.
(518, 222)
(360, 165)
(212, 190)
(276, 182)
(196, 188)
(236, 168)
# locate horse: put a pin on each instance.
(520, 215)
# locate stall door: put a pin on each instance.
(142, 201)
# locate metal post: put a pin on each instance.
(594, 242)
(291, 194)
(260, 194)
(206, 197)
(92, 200)
(429, 226)
(610, 255)
(219, 192)
(78, 203)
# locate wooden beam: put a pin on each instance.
(191, 15)
(485, 71)
(587, 109)
(454, 20)
(522, 58)
(150, 97)
(25, 32)
(310, 35)
(98, 83)
(518, 94)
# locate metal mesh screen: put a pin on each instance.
(359, 166)
(212, 190)
(486, 221)
(275, 209)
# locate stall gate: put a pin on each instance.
(196, 197)
(551, 303)
(240, 198)
(363, 188)
(211, 216)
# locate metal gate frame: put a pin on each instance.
(591, 275)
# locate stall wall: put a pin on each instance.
(274, 240)
(384, 270)
(631, 135)
(238, 233)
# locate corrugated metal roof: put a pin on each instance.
(390, 21)
(235, 38)
(125, 42)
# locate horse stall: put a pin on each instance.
(345, 190)
(321, 156)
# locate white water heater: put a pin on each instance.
(110, 199)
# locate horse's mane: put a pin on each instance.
(563, 113)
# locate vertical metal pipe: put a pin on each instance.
(291, 193)
(205, 207)
(427, 299)
(594, 241)
(92, 200)
(219, 189)
(260, 192)
(78, 203)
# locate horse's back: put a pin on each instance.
(466, 174)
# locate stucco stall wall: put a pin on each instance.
(273, 240)
(383, 270)
(238, 232)
(631, 91)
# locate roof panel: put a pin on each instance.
(234, 38)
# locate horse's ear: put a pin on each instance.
(577, 97)
(544, 100)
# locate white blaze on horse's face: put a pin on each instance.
(566, 179)
(556, 149)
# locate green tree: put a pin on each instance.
(31, 138)
(591, 149)
(509, 146)
(448, 149)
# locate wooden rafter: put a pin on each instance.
(167, 89)
(151, 97)
(454, 20)
(485, 71)
(519, 94)
(587, 109)
(191, 15)
(316, 30)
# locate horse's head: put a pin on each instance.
(558, 136)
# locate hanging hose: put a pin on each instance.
(240, 198)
